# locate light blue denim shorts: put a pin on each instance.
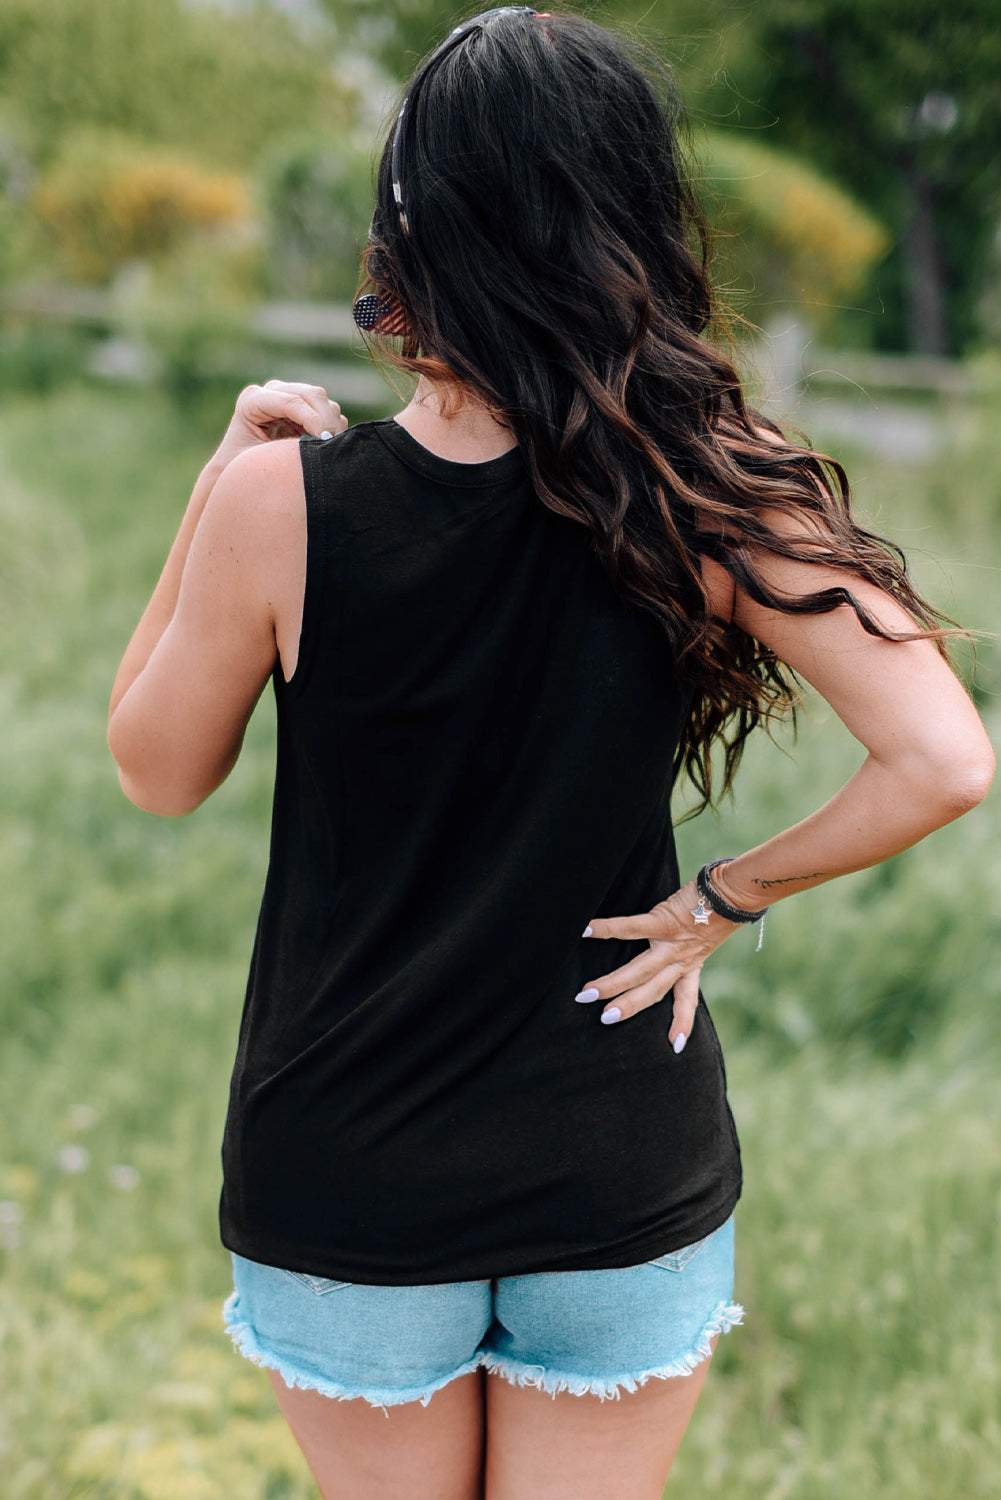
(587, 1332)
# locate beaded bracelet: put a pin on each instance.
(710, 900)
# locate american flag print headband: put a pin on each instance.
(450, 41)
(379, 314)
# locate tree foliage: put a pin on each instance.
(317, 190)
(218, 84)
(901, 103)
(108, 200)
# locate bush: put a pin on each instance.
(107, 201)
(40, 359)
(784, 232)
(318, 196)
(191, 310)
(17, 250)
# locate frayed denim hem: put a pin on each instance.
(246, 1341)
(723, 1318)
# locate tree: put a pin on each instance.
(901, 102)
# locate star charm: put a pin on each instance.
(701, 913)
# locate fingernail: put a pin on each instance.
(326, 434)
(587, 931)
(589, 994)
(613, 1013)
(679, 1041)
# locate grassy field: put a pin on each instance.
(862, 1045)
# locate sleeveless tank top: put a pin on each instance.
(474, 757)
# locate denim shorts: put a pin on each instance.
(586, 1332)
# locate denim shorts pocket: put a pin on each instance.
(319, 1285)
(677, 1260)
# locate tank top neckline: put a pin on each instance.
(490, 471)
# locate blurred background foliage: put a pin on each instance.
(855, 142)
(782, 229)
(318, 202)
(217, 81)
(107, 200)
(180, 179)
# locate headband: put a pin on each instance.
(446, 46)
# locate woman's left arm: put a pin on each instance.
(929, 760)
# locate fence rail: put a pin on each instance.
(317, 327)
(320, 326)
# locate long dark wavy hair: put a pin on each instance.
(554, 262)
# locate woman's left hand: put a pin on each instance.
(679, 946)
(279, 409)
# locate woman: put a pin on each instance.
(479, 1166)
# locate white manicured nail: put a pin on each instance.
(326, 434)
(587, 931)
(589, 994)
(613, 1013)
(679, 1041)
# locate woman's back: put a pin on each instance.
(475, 755)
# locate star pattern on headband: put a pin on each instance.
(378, 314)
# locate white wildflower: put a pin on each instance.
(121, 1175)
(73, 1158)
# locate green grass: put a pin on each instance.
(862, 1045)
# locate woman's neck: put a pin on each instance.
(470, 435)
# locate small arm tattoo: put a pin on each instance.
(786, 880)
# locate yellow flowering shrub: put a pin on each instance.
(107, 201)
(784, 233)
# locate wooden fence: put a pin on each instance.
(334, 354)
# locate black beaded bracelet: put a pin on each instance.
(711, 900)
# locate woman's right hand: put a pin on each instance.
(279, 409)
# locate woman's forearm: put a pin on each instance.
(879, 812)
(159, 612)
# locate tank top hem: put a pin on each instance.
(274, 1252)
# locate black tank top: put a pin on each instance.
(474, 758)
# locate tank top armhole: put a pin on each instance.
(317, 554)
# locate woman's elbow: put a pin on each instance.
(159, 777)
(164, 801)
(973, 779)
(160, 794)
(964, 778)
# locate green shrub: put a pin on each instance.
(192, 310)
(39, 359)
(318, 197)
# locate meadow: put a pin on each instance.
(862, 1042)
